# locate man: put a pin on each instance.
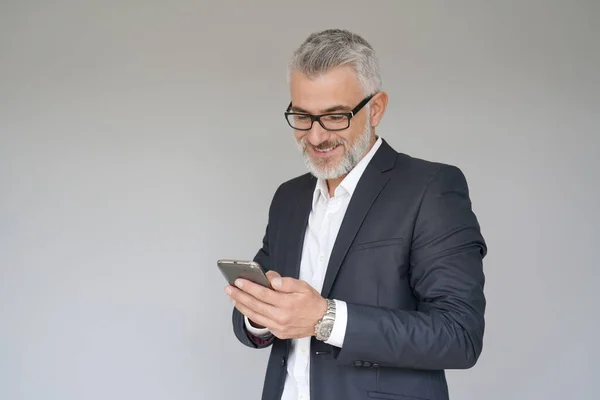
(374, 257)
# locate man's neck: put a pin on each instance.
(332, 184)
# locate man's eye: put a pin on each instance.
(334, 117)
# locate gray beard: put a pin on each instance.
(352, 156)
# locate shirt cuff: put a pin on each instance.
(339, 326)
(258, 332)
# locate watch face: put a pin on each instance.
(326, 328)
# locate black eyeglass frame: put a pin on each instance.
(317, 118)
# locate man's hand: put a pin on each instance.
(290, 310)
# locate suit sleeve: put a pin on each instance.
(262, 257)
(446, 269)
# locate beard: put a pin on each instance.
(352, 155)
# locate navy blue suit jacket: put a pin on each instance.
(408, 263)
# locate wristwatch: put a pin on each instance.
(324, 326)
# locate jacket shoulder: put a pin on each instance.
(294, 186)
(425, 170)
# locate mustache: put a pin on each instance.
(325, 145)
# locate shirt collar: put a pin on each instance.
(350, 181)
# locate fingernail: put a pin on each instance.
(228, 290)
(239, 283)
(276, 283)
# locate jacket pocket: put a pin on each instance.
(392, 396)
(376, 243)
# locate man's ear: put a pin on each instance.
(378, 106)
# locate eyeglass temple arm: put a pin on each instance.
(360, 105)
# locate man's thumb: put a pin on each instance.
(286, 285)
(272, 275)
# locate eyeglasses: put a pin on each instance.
(331, 121)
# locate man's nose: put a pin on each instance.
(317, 134)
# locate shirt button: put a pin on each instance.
(321, 258)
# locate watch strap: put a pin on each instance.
(329, 316)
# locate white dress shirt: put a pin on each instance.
(324, 223)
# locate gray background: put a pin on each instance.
(142, 140)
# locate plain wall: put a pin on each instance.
(140, 141)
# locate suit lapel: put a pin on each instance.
(369, 186)
(297, 227)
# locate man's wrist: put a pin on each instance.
(324, 306)
(324, 325)
(338, 333)
(255, 325)
(259, 332)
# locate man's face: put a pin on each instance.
(331, 154)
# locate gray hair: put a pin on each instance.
(331, 48)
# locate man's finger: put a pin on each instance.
(260, 292)
(254, 316)
(288, 285)
(251, 302)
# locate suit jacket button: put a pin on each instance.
(367, 364)
(358, 363)
(282, 361)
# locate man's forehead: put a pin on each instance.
(318, 106)
(335, 90)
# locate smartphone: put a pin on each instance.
(250, 270)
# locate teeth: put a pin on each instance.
(325, 150)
